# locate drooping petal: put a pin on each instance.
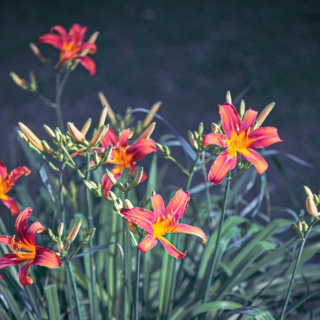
(23, 277)
(171, 249)
(46, 258)
(263, 137)
(110, 138)
(215, 138)
(221, 167)
(18, 172)
(35, 228)
(87, 63)
(230, 119)
(61, 30)
(124, 137)
(52, 39)
(249, 119)
(3, 170)
(21, 224)
(141, 217)
(184, 228)
(158, 205)
(107, 184)
(257, 160)
(141, 148)
(88, 45)
(147, 243)
(178, 205)
(10, 259)
(10, 203)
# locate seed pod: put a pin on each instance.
(76, 135)
(228, 97)
(86, 127)
(74, 231)
(263, 115)
(32, 137)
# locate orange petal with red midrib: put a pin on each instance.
(263, 137)
(184, 228)
(230, 119)
(147, 243)
(257, 160)
(171, 249)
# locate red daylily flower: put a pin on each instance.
(239, 137)
(162, 221)
(71, 45)
(7, 181)
(25, 250)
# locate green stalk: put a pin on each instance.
(214, 258)
(75, 289)
(136, 305)
(58, 105)
(192, 171)
(295, 270)
(92, 266)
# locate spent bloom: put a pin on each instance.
(162, 221)
(7, 181)
(239, 137)
(71, 46)
(24, 249)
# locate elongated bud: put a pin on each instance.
(311, 207)
(137, 174)
(88, 185)
(32, 137)
(263, 115)
(147, 132)
(95, 157)
(215, 128)
(76, 135)
(305, 227)
(111, 177)
(60, 230)
(106, 155)
(228, 97)
(23, 136)
(97, 137)
(200, 130)
(35, 50)
(33, 82)
(150, 116)
(67, 244)
(166, 151)
(242, 108)
(113, 196)
(51, 235)
(92, 232)
(92, 39)
(316, 199)
(299, 226)
(301, 218)
(308, 191)
(23, 84)
(160, 146)
(131, 226)
(84, 232)
(49, 131)
(58, 135)
(192, 140)
(128, 204)
(46, 146)
(103, 116)
(74, 231)
(196, 135)
(60, 246)
(86, 127)
(105, 102)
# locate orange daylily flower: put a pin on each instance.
(25, 250)
(7, 181)
(71, 45)
(162, 221)
(239, 137)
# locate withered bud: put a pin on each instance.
(263, 115)
(49, 131)
(76, 135)
(60, 230)
(86, 127)
(105, 102)
(192, 140)
(74, 231)
(23, 84)
(215, 128)
(60, 247)
(103, 116)
(147, 132)
(228, 97)
(150, 116)
(32, 137)
(311, 207)
(97, 136)
(242, 108)
(128, 204)
(131, 226)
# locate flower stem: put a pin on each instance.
(136, 306)
(92, 266)
(75, 289)
(214, 258)
(58, 105)
(193, 169)
(295, 270)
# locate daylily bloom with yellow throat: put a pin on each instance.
(239, 137)
(71, 45)
(162, 221)
(24, 249)
(7, 181)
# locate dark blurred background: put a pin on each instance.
(184, 53)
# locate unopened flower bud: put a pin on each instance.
(192, 140)
(106, 155)
(166, 151)
(88, 185)
(299, 226)
(200, 129)
(316, 199)
(263, 115)
(137, 175)
(305, 227)
(58, 135)
(228, 97)
(242, 108)
(301, 218)
(51, 235)
(67, 244)
(84, 232)
(60, 247)
(293, 226)
(23, 84)
(95, 157)
(105, 102)
(308, 191)
(131, 226)
(311, 207)
(128, 204)
(113, 196)
(60, 230)
(97, 136)
(35, 50)
(76, 135)
(46, 146)
(86, 127)
(215, 128)
(103, 116)
(32, 137)
(147, 132)
(196, 135)
(23, 136)
(150, 116)
(49, 131)
(74, 231)
(111, 177)
(159, 146)
(92, 232)
(33, 82)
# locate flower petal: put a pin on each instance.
(215, 138)
(22, 226)
(141, 148)
(158, 205)
(87, 63)
(88, 45)
(171, 249)
(249, 120)
(184, 228)
(46, 258)
(10, 203)
(23, 277)
(10, 259)
(110, 138)
(178, 205)
(35, 228)
(107, 184)
(3, 170)
(230, 119)
(141, 217)
(124, 137)
(18, 172)
(147, 243)
(221, 167)
(61, 30)
(257, 160)
(263, 137)
(52, 39)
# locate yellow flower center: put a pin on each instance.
(238, 142)
(120, 156)
(17, 247)
(164, 225)
(5, 185)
